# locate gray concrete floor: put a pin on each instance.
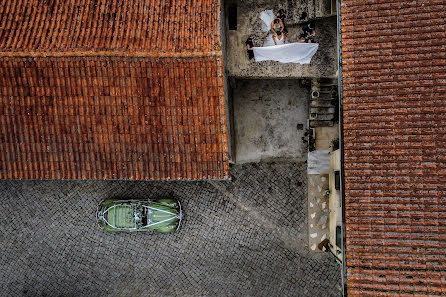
(267, 115)
(245, 237)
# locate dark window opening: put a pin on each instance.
(337, 180)
(338, 236)
(232, 17)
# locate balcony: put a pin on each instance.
(323, 64)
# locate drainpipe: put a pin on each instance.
(341, 146)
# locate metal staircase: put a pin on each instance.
(323, 102)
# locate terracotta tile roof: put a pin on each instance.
(98, 25)
(94, 91)
(394, 80)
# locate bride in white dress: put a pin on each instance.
(291, 53)
(275, 28)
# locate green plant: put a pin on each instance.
(335, 144)
(309, 140)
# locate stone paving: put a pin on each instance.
(245, 237)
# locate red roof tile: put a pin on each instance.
(88, 92)
(394, 81)
(98, 25)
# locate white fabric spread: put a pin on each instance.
(287, 53)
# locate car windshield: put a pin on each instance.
(140, 215)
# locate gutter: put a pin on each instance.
(341, 147)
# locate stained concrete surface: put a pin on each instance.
(245, 237)
(314, 9)
(319, 162)
(270, 117)
(318, 212)
(324, 137)
(323, 64)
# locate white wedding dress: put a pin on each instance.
(270, 41)
(267, 17)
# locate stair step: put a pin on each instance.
(322, 117)
(328, 81)
(317, 123)
(326, 99)
(324, 89)
(322, 110)
(328, 86)
(324, 96)
(321, 103)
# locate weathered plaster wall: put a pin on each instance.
(323, 64)
(266, 118)
(227, 91)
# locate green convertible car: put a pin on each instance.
(163, 215)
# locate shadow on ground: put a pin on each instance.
(246, 237)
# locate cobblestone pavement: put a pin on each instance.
(245, 237)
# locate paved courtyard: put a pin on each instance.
(245, 237)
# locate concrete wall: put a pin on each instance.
(267, 115)
(314, 9)
(324, 62)
(227, 94)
